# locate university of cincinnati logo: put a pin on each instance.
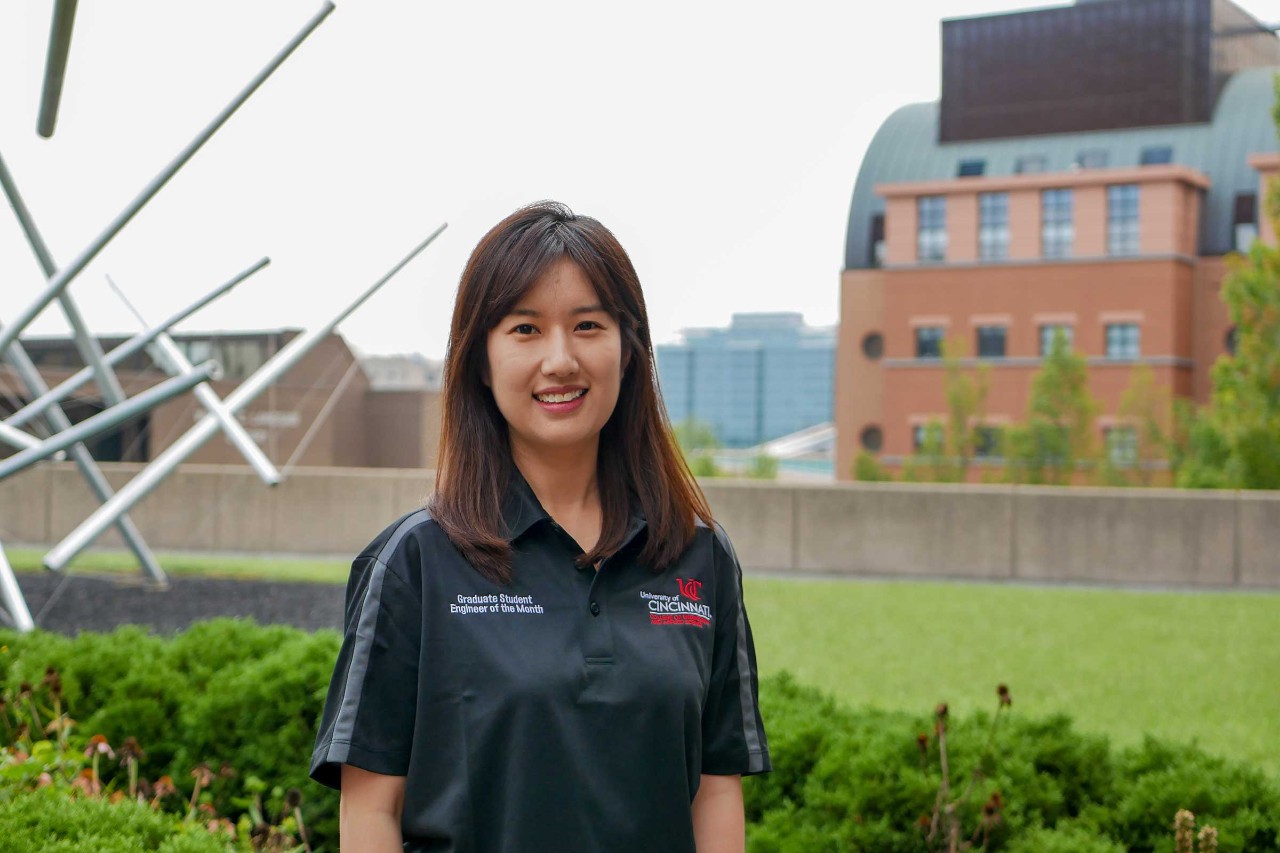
(687, 608)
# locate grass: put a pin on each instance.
(1202, 666)
(201, 565)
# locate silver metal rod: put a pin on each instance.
(108, 419)
(58, 283)
(136, 344)
(55, 68)
(321, 416)
(16, 437)
(87, 344)
(11, 594)
(189, 442)
(170, 358)
(17, 356)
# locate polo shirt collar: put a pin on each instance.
(521, 510)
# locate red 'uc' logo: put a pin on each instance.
(689, 588)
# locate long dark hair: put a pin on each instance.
(638, 459)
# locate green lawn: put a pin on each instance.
(1201, 666)
(177, 564)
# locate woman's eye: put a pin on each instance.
(590, 324)
(524, 329)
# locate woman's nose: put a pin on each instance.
(559, 358)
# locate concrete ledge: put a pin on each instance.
(904, 530)
(1134, 537)
(1259, 539)
(758, 518)
(1157, 536)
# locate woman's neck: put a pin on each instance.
(564, 480)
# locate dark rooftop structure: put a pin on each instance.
(1100, 65)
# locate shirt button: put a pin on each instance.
(595, 608)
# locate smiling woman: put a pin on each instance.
(565, 580)
(555, 366)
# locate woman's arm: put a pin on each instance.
(718, 822)
(369, 811)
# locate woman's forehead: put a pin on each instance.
(563, 289)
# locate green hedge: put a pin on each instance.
(846, 780)
(222, 692)
(235, 692)
(48, 820)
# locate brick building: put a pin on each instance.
(327, 411)
(1087, 168)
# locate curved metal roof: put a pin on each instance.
(905, 148)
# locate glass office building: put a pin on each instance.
(765, 376)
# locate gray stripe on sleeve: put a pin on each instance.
(750, 732)
(402, 530)
(345, 723)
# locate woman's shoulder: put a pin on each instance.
(719, 537)
(413, 527)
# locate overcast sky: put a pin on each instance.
(720, 141)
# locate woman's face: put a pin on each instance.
(555, 364)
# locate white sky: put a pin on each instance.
(720, 141)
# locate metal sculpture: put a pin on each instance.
(46, 404)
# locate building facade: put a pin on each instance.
(1060, 185)
(764, 376)
(324, 412)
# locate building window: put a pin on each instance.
(196, 351)
(986, 443)
(1047, 333)
(872, 438)
(1244, 221)
(873, 345)
(877, 240)
(1092, 158)
(1122, 219)
(931, 228)
(1122, 445)
(991, 341)
(993, 226)
(1157, 155)
(1030, 164)
(917, 437)
(928, 342)
(1123, 340)
(1058, 232)
(971, 168)
(1231, 340)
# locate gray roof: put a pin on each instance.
(905, 148)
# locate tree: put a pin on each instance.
(1235, 441)
(1145, 407)
(1059, 432)
(763, 467)
(930, 463)
(698, 442)
(948, 448)
(966, 409)
(867, 467)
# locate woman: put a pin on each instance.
(554, 654)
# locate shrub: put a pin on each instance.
(870, 780)
(233, 692)
(50, 820)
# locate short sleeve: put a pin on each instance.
(733, 738)
(369, 713)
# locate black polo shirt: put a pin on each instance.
(573, 710)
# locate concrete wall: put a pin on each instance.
(1128, 536)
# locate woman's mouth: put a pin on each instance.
(557, 403)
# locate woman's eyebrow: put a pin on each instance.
(581, 309)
